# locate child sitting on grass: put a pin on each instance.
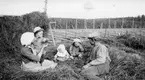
(62, 54)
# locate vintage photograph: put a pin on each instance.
(72, 40)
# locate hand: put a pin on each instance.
(45, 45)
(86, 66)
(44, 52)
(71, 57)
(80, 55)
(54, 60)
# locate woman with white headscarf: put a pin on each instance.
(99, 59)
(31, 60)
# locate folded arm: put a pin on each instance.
(28, 53)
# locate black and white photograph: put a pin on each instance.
(72, 40)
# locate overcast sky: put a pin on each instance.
(75, 8)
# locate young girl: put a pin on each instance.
(76, 49)
(62, 53)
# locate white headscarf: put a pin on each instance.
(27, 38)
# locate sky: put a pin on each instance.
(75, 8)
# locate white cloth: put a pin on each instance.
(35, 67)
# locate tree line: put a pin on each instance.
(122, 22)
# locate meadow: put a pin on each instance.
(126, 49)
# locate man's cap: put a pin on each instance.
(94, 35)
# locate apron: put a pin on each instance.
(35, 67)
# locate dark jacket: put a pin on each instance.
(28, 56)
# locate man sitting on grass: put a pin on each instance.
(99, 59)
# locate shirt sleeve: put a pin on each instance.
(101, 56)
(27, 53)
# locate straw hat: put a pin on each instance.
(37, 29)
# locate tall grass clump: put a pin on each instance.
(11, 28)
(136, 41)
(128, 61)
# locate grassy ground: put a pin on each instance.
(127, 62)
(126, 51)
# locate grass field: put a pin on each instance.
(61, 34)
(126, 48)
(127, 54)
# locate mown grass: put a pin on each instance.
(126, 51)
(127, 64)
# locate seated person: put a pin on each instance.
(39, 41)
(31, 60)
(99, 59)
(62, 53)
(76, 49)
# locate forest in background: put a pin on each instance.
(122, 22)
